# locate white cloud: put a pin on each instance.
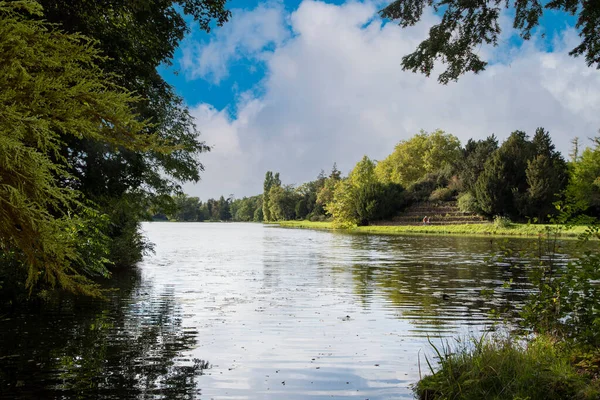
(335, 91)
(245, 37)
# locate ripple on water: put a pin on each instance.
(243, 311)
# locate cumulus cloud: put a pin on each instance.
(334, 91)
(244, 38)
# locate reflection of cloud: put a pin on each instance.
(334, 91)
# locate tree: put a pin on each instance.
(584, 186)
(282, 203)
(135, 39)
(187, 208)
(522, 178)
(422, 154)
(475, 154)
(53, 91)
(466, 25)
(224, 209)
(326, 191)
(361, 198)
(546, 176)
(266, 200)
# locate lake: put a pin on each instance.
(246, 311)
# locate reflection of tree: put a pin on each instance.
(433, 280)
(129, 347)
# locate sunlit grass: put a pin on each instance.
(463, 229)
(501, 368)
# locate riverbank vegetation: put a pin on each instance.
(521, 180)
(554, 355)
(90, 135)
(517, 230)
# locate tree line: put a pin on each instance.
(522, 178)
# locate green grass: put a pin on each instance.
(464, 229)
(500, 368)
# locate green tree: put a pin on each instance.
(422, 154)
(283, 201)
(546, 176)
(136, 39)
(224, 209)
(187, 208)
(327, 189)
(266, 200)
(466, 25)
(501, 188)
(53, 91)
(355, 199)
(584, 185)
(475, 154)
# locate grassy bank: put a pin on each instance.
(467, 229)
(500, 368)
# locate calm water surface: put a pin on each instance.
(244, 311)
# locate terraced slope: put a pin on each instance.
(442, 213)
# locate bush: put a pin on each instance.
(422, 189)
(502, 222)
(441, 194)
(467, 203)
(502, 368)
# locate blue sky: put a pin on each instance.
(294, 86)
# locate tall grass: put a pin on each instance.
(502, 368)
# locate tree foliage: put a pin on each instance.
(51, 91)
(584, 186)
(466, 25)
(424, 153)
(135, 38)
(361, 197)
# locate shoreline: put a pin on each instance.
(485, 230)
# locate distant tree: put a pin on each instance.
(466, 25)
(422, 154)
(187, 208)
(474, 156)
(584, 186)
(283, 201)
(268, 184)
(502, 187)
(224, 209)
(355, 199)
(574, 154)
(546, 176)
(301, 208)
(326, 191)
(258, 214)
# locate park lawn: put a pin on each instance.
(463, 229)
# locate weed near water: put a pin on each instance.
(504, 368)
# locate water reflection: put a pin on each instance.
(280, 313)
(134, 346)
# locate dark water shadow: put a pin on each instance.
(132, 346)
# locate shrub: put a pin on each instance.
(502, 222)
(422, 189)
(441, 194)
(467, 203)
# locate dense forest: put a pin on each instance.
(524, 179)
